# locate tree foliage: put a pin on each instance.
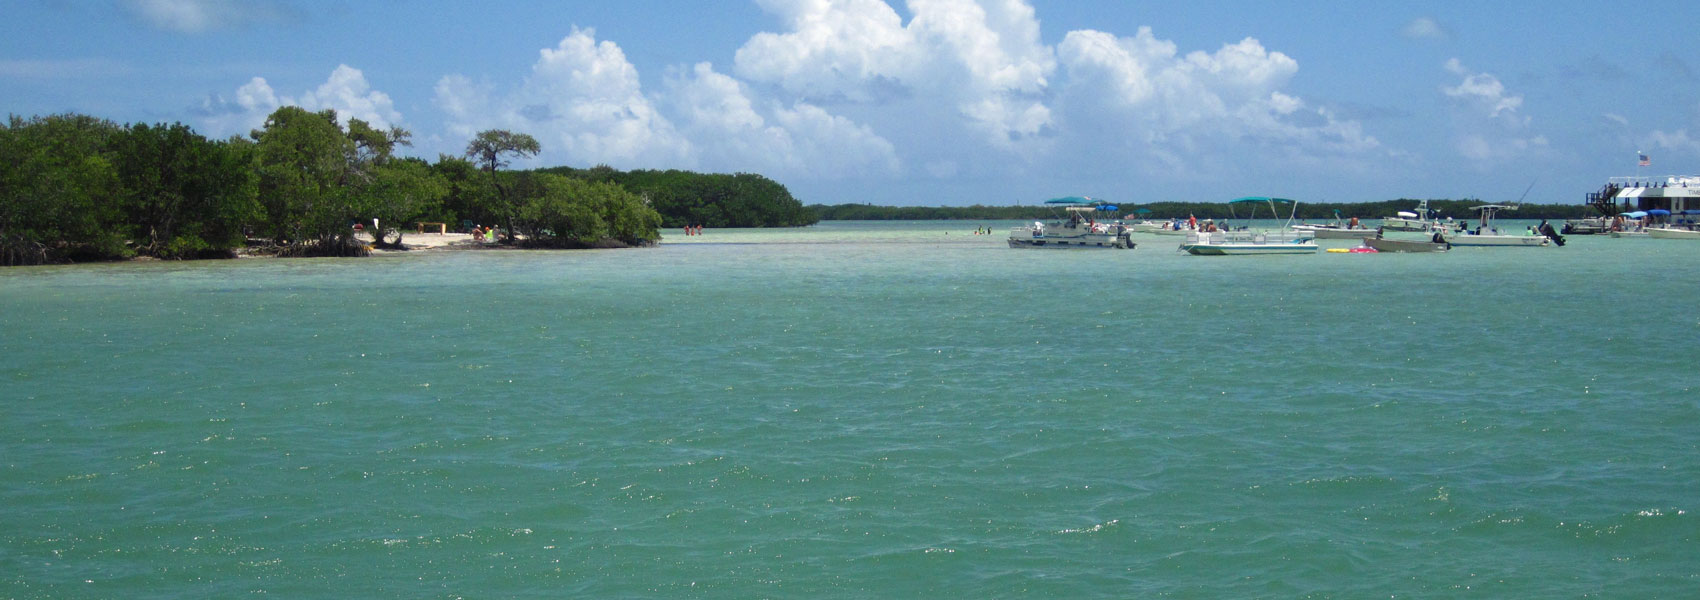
(58, 190)
(491, 150)
(184, 195)
(564, 212)
(713, 200)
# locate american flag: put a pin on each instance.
(1645, 161)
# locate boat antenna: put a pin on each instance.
(1526, 191)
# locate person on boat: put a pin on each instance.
(1353, 224)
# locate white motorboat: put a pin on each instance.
(1673, 233)
(1228, 243)
(1338, 230)
(1421, 220)
(1076, 228)
(1231, 243)
(1487, 232)
(1149, 226)
(1587, 226)
(1408, 242)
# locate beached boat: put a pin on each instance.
(1076, 227)
(1421, 220)
(1231, 243)
(1487, 232)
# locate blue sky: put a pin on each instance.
(929, 102)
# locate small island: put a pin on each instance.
(77, 188)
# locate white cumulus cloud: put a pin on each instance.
(985, 60)
(346, 91)
(582, 101)
(1171, 108)
(1491, 126)
(585, 104)
(733, 132)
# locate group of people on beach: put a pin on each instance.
(483, 233)
(693, 230)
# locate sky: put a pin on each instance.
(929, 102)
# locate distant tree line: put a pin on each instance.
(1457, 209)
(708, 199)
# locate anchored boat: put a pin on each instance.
(1227, 243)
(1076, 227)
(1338, 230)
(1487, 232)
(1381, 243)
(1421, 220)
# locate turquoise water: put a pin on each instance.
(856, 410)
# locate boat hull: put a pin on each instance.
(1497, 240)
(1399, 224)
(1387, 245)
(1248, 249)
(1090, 241)
(1334, 233)
(1240, 243)
(1673, 234)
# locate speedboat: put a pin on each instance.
(1229, 243)
(1076, 227)
(1671, 232)
(1149, 226)
(1338, 230)
(1487, 232)
(1422, 220)
(1382, 243)
(1586, 226)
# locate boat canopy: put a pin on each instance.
(1260, 200)
(1635, 215)
(1070, 200)
(1407, 214)
(1659, 212)
(1494, 207)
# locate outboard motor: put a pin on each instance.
(1546, 230)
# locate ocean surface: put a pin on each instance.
(857, 410)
